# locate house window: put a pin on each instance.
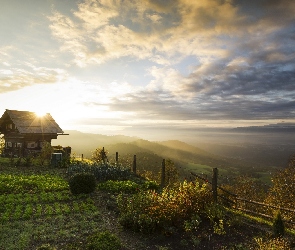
(19, 144)
(8, 144)
(31, 145)
(9, 126)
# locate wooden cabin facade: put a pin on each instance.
(25, 133)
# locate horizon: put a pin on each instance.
(149, 68)
(229, 136)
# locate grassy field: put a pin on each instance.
(203, 170)
(37, 209)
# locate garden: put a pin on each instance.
(99, 205)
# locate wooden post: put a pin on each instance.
(134, 164)
(82, 157)
(103, 155)
(214, 184)
(117, 158)
(163, 174)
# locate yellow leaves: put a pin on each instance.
(166, 208)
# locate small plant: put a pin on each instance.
(192, 224)
(274, 243)
(46, 247)
(82, 183)
(103, 241)
(29, 160)
(216, 214)
(278, 226)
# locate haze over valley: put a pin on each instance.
(250, 151)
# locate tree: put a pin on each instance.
(171, 173)
(278, 225)
(45, 153)
(282, 193)
(99, 155)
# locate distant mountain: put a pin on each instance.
(229, 157)
(278, 127)
(85, 143)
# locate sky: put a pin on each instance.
(151, 66)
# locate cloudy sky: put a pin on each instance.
(151, 66)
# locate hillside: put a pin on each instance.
(150, 154)
(85, 143)
(45, 215)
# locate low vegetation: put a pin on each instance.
(82, 183)
(98, 205)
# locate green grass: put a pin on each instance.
(37, 209)
(21, 183)
(265, 177)
(202, 169)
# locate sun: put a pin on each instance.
(40, 113)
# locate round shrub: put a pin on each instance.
(82, 183)
(103, 241)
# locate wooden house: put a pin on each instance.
(25, 132)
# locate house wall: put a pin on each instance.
(19, 143)
(19, 146)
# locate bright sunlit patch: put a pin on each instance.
(40, 113)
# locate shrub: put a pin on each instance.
(103, 241)
(82, 183)
(102, 172)
(119, 186)
(216, 214)
(46, 247)
(127, 186)
(282, 193)
(149, 211)
(274, 243)
(278, 226)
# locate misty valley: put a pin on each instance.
(234, 153)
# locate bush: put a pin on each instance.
(274, 243)
(46, 247)
(278, 226)
(82, 183)
(149, 211)
(103, 241)
(102, 172)
(127, 186)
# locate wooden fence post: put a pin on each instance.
(117, 158)
(214, 184)
(134, 164)
(82, 157)
(103, 155)
(163, 173)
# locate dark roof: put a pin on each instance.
(29, 123)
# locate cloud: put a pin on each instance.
(14, 78)
(244, 55)
(104, 30)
